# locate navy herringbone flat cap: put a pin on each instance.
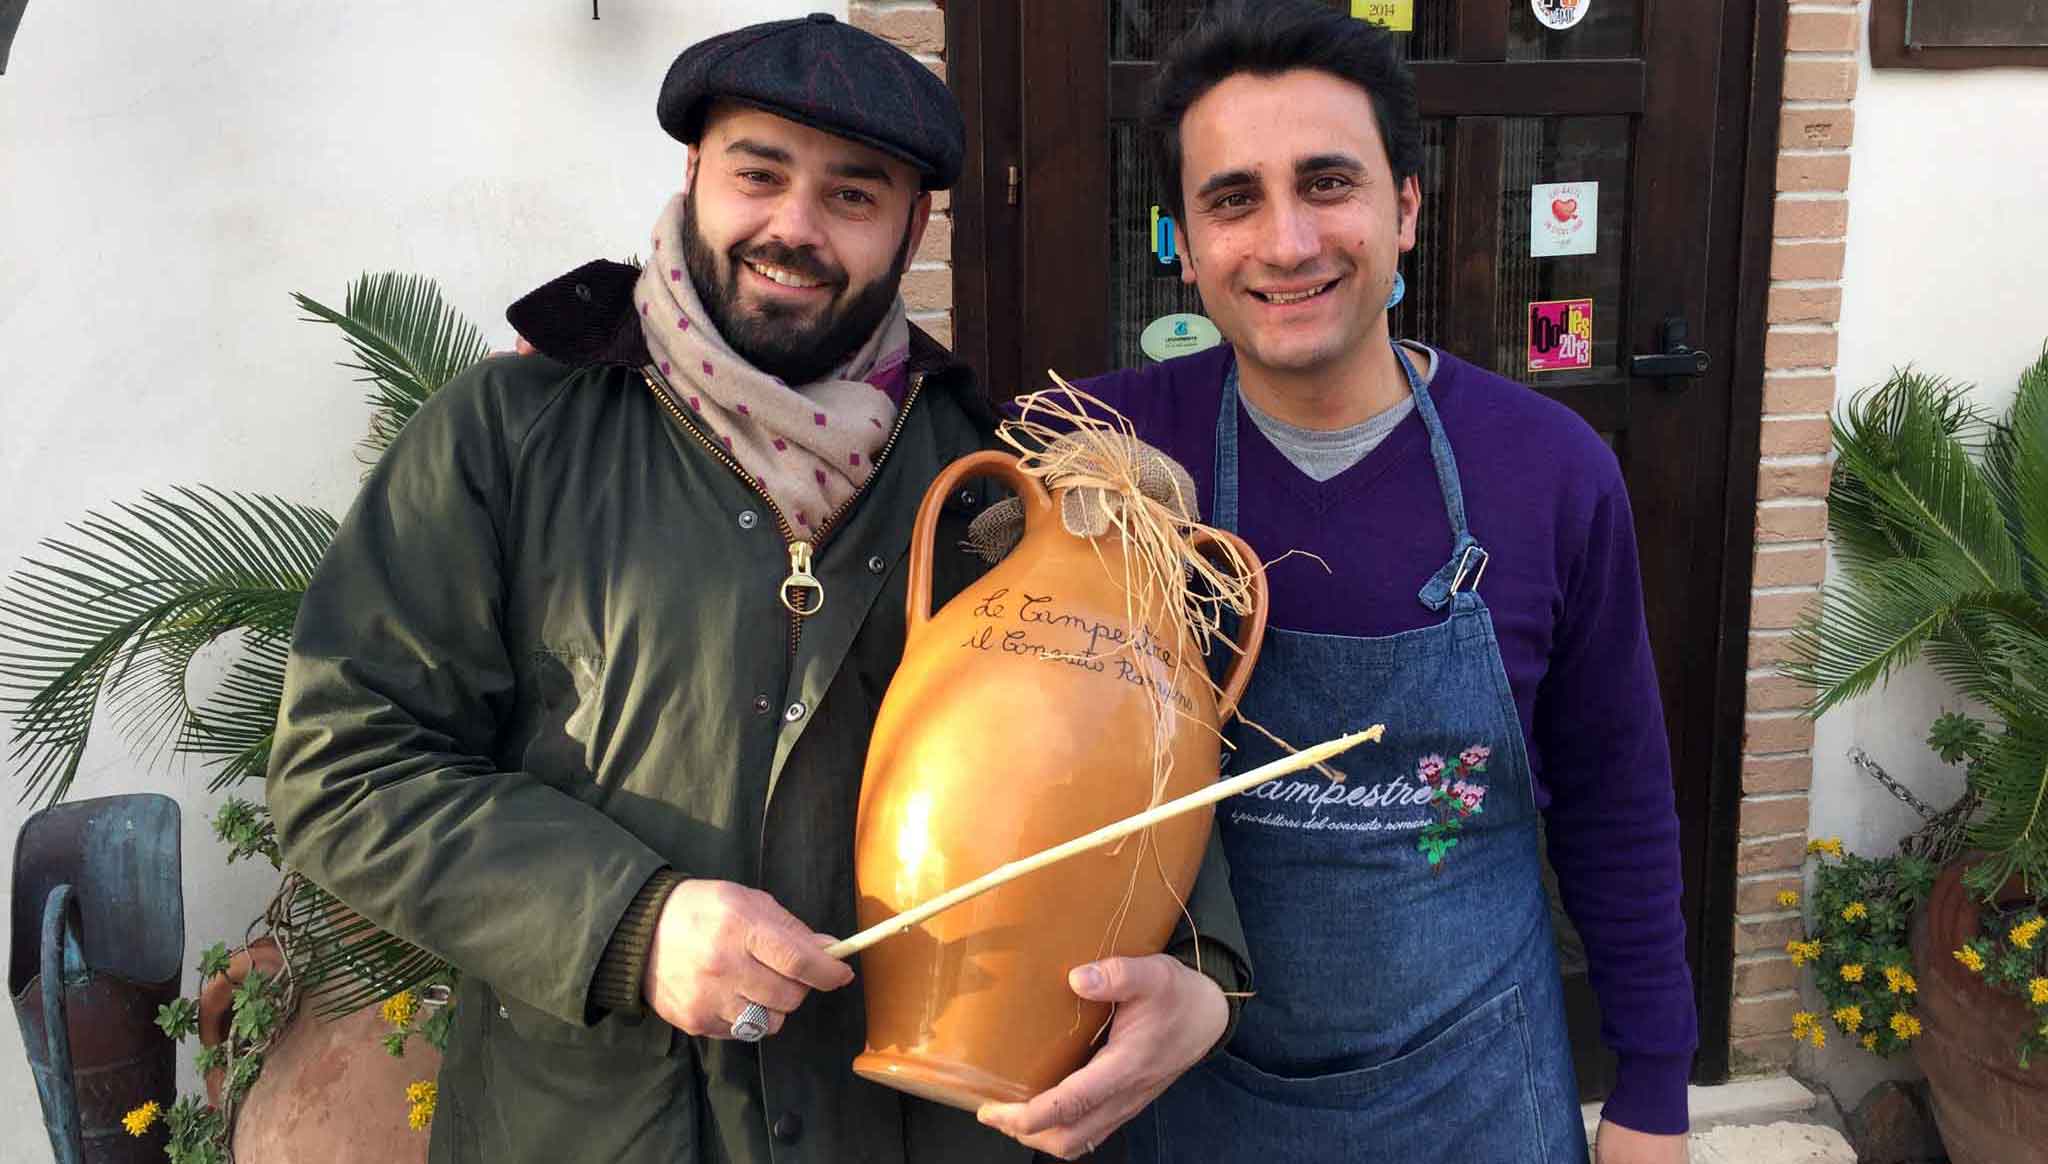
(827, 75)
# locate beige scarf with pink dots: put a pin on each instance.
(810, 446)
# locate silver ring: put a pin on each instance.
(752, 1025)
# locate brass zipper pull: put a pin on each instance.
(802, 593)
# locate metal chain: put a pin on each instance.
(1940, 836)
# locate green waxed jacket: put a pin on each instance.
(545, 659)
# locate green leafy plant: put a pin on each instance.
(112, 616)
(1857, 940)
(1939, 515)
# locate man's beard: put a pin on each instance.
(780, 341)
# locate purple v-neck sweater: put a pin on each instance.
(1544, 496)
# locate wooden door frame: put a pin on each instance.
(983, 44)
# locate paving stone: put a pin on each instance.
(1783, 1143)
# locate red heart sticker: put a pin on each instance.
(1564, 208)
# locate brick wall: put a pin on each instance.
(1812, 217)
(919, 27)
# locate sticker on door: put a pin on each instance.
(1560, 335)
(1564, 219)
(1180, 334)
(1394, 15)
(1560, 14)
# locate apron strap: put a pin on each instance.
(1468, 559)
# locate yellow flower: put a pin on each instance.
(399, 1009)
(422, 1096)
(1855, 911)
(139, 1121)
(1849, 1017)
(2023, 934)
(1870, 1041)
(1817, 1036)
(1832, 846)
(1899, 981)
(2037, 991)
(1802, 1021)
(1905, 1026)
(1970, 958)
(1787, 899)
(1852, 972)
(1802, 952)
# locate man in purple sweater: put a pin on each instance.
(1468, 577)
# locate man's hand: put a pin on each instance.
(1167, 1018)
(1620, 1145)
(719, 946)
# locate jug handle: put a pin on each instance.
(63, 964)
(986, 463)
(1251, 629)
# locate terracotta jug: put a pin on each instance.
(329, 1093)
(1020, 718)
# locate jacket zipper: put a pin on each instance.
(801, 592)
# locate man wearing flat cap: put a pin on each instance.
(580, 696)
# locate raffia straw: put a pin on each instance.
(1167, 581)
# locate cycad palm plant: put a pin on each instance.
(114, 614)
(1939, 514)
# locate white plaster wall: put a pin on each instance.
(170, 173)
(1947, 244)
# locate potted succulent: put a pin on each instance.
(113, 616)
(1938, 513)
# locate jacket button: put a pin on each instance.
(503, 1013)
(795, 711)
(583, 292)
(761, 705)
(967, 497)
(788, 1127)
(749, 519)
(876, 565)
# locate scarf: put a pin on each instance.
(810, 447)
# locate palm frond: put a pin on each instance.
(407, 342)
(2017, 464)
(1914, 486)
(119, 608)
(345, 963)
(1861, 632)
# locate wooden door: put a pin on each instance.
(1650, 100)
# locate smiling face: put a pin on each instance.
(1294, 220)
(796, 240)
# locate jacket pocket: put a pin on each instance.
(509, 1019)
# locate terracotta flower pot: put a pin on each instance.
(1021, 717)
(329, 1093)
(1989, 1109)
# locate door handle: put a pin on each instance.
(1678, 359)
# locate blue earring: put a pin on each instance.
(1400, 289)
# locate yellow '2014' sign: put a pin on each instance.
(1396, 15)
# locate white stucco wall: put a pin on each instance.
(169, 174)
(1945, 251)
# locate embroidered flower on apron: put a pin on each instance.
(1455, 795)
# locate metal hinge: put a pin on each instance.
(1016, 182)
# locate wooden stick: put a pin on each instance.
(1003, 874)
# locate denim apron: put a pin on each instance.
(1407, 1005)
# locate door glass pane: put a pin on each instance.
(1141, 288)
(1140, 30)
(1541, 150)
(1420, 314)
(1607, 28)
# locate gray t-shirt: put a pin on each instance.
(1324, 453)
